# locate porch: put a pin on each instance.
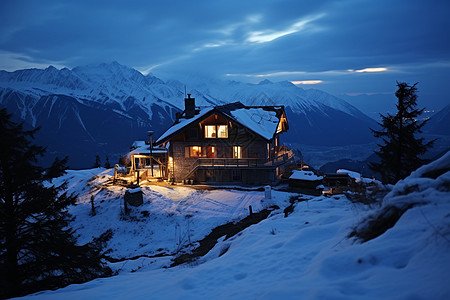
(249, 163)
(233, 170)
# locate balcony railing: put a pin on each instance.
(244, 162)
(229, 162)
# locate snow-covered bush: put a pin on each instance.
(430, 184)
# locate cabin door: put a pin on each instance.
(211, 152)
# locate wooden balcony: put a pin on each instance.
(244, 163)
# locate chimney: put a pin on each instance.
(189, 106)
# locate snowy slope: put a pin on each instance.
(307, 255)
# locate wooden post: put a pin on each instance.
(150, 133)
(250, 209)
(125, 205)
(92, 205)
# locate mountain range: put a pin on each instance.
(101, 109)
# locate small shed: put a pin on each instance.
(338, 180)
(306, 181)
(337, 183)
(134, 197)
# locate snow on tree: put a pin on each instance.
(401, 150)
(37, 247)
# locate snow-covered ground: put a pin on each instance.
(171, 217)
(306, 255)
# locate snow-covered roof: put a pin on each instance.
(136, 190)
(305, 175)
(261, 121)
(352, 174)
(182, 123)
(355, 175)
(137, 144)
(140, 147)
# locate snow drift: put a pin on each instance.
(307, 255)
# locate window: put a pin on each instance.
(141, 162)
(210, 131)
(280, 127)
(216, 131)
(193, 151)
(222, 131)
(237, 153)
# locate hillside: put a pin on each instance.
(439, 123)
(308, 255)
(101, 109)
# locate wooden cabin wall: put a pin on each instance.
(238, 176)
(252, 146)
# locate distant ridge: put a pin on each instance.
(102, 108)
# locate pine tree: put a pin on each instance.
(107, 163)
(401, 151)
(37, 248)
(98, 162)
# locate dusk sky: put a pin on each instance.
(344, 47)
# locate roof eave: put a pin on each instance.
(167, 138)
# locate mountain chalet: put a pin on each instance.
(232, 144)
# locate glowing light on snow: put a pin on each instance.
(307, 82)
(369, 70)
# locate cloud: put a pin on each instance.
(282, 40)
(369, 70)
(300, 82)
(231, 36)
(270, 34)
(14, 61)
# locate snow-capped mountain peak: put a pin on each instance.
(117, 92)
(265, 82)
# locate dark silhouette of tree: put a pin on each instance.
(107, 163)
(98, 162)
(37, 248)
(401, 150)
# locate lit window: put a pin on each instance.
(210, 131)
(280, 127)
(141, 162)
(194, 151)
(216, 131)
(222, 131)
(237, 153)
